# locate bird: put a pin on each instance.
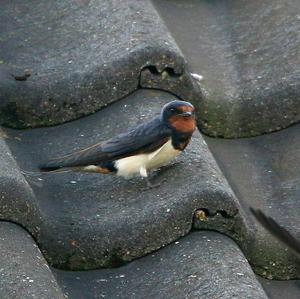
(144, 148)
(278, 231)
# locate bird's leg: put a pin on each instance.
(144, 174)
(168, 166)
(150, 185)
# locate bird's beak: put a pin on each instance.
(187, 114)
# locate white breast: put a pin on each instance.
(139, 164)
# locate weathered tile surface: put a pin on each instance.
(264, 173)
(81, 56)
(92, 220)
(248, 54)
(201, 265)
(24, 273)
(17, 200)
(277, 289)
(71, 58)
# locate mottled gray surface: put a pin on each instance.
(24, 273)
(71, 58)
(200, 265)
(94, 220)
(79, 56)
(264, 173)
(249, 56)
(17, 201)
(276, 289)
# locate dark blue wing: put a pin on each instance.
(144, 138)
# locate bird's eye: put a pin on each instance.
(172, 109)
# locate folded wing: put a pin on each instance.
(143, 139)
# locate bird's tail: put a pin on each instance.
(42, 171)
(44, 168)
(56, 165)
(49, 168)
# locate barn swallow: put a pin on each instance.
(146, 147)
(278, 231)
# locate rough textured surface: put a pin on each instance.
(70, 58)
(200, 265)
(17, 201)
(92, 220)
(280, 289)
(24, 273)
(272, 163)
(248, 55)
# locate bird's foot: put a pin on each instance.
(169, 166)
(152, 186)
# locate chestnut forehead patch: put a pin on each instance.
(185, 108)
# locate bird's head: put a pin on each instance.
(179, 115)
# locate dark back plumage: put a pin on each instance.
(142, 139)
